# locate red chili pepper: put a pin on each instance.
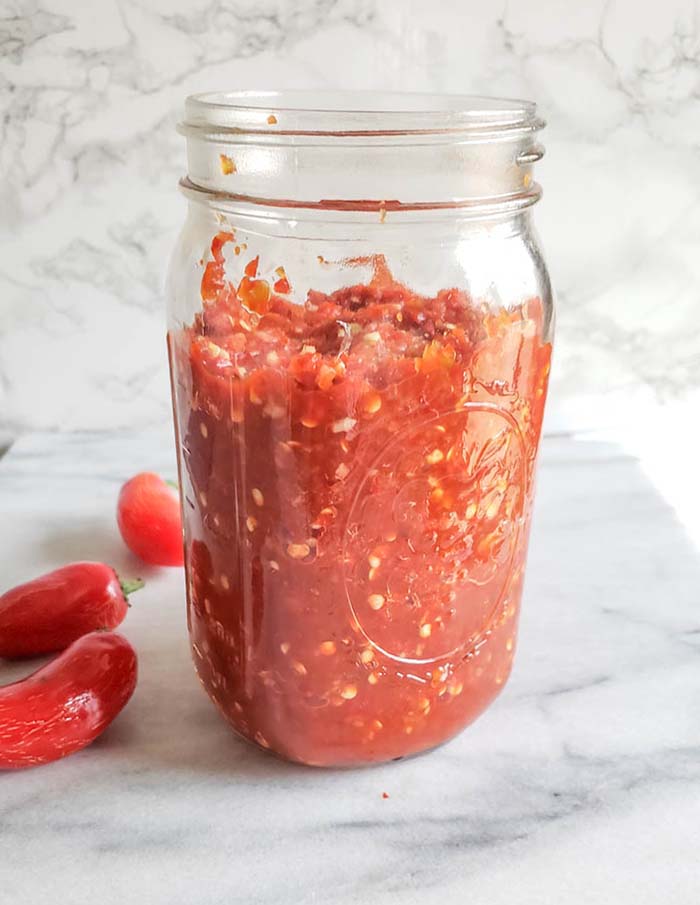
(66, 704)
(50, 612)
(148, 514)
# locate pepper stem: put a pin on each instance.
(130, 585)
(173, 484)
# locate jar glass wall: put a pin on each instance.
(360, 334)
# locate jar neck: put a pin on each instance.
(436, 225)
(442, 153)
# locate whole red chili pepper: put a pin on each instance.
(50, 612)
(66, 704)
(148, 515)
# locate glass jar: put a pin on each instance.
(360, 326)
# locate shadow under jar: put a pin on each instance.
(360, 326)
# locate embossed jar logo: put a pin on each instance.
(433, 529)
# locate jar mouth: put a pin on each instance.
(355, 113)
(361, 151)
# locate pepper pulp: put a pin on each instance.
(357, 480)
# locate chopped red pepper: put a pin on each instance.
(354, 581)
(213, 279)
(255, 294)
(282, 283)
(227, 165)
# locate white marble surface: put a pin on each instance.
(580, 785)
(89, 207)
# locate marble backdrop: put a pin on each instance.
(90, 92)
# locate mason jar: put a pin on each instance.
(360, 325)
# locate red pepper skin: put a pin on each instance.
(66, 704)
(49, 613)
(148, 515)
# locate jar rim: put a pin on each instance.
(352, 113)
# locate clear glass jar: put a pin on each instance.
(360, 333)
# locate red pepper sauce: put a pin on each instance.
(357, 472)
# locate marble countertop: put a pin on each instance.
(580, 785)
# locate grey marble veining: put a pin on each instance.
(90, 159)
(581, 784)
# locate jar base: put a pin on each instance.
(341, 764)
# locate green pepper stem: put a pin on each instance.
(128, 586)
